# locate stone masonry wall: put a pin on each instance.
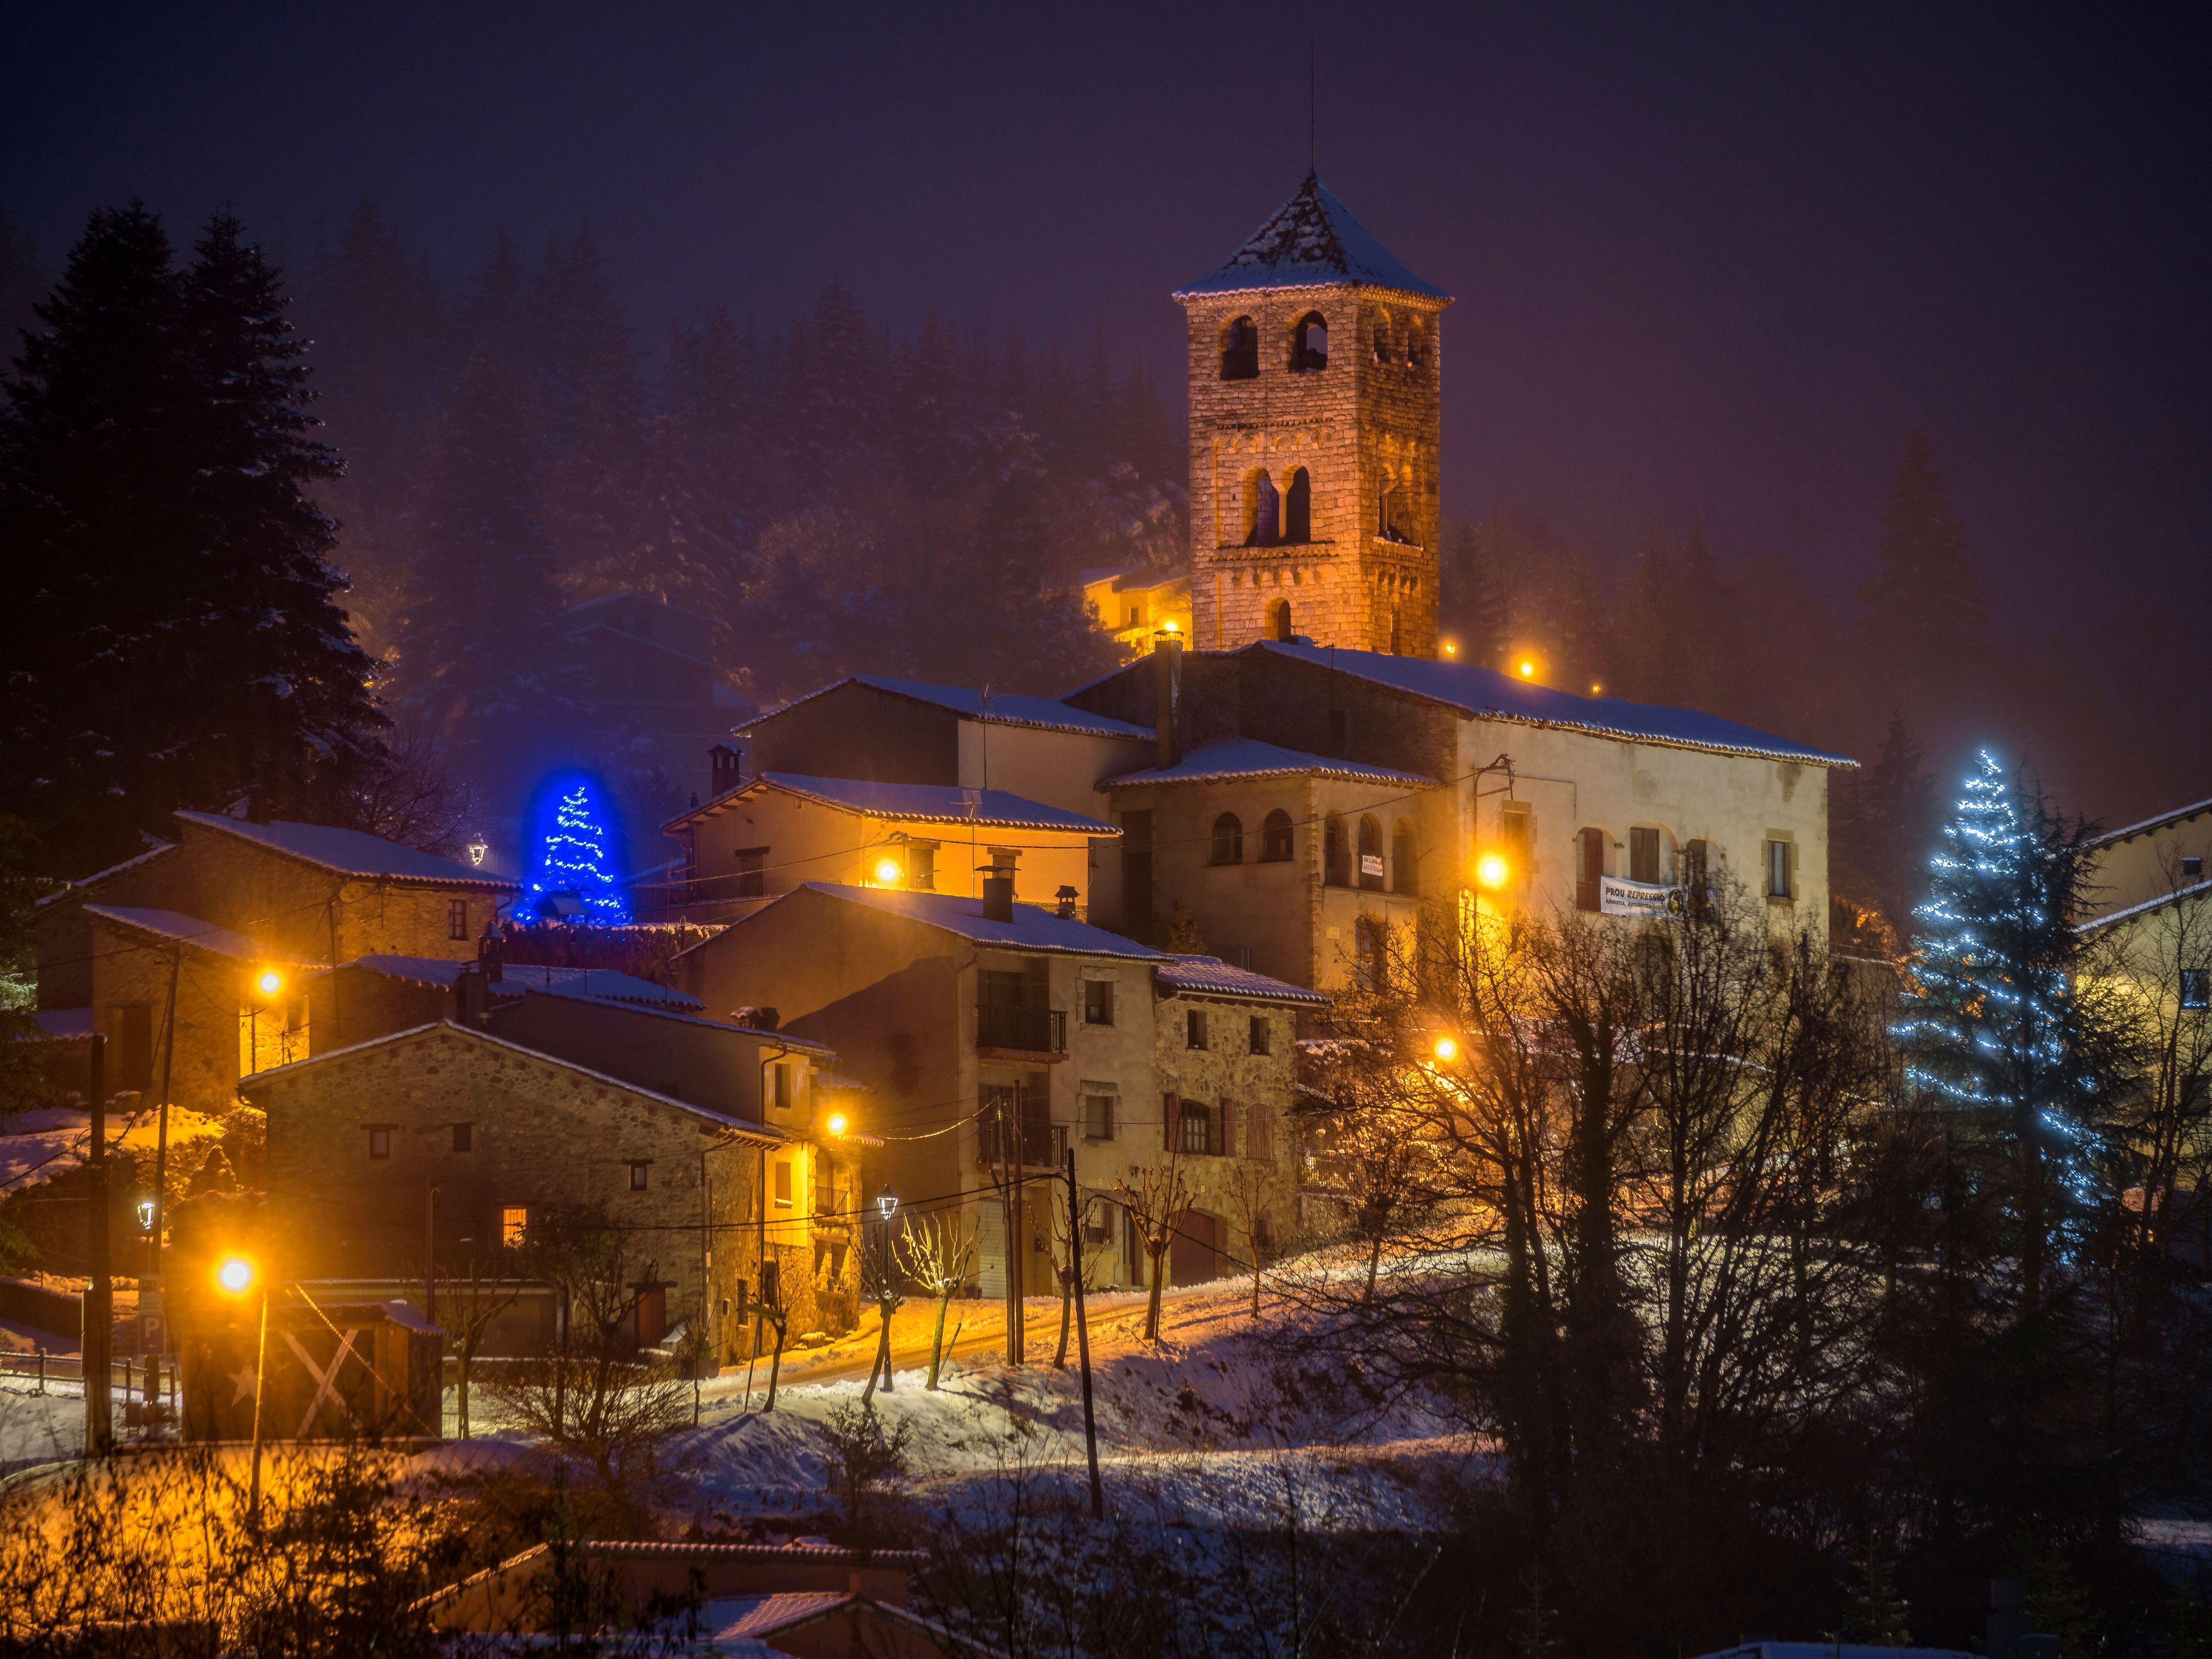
(1356, 427)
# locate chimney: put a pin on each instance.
(1066, 896)
(724, 775)
(1167, 696)
(491, 951)
(999, 895)
(471, 994)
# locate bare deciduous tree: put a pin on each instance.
(1153, 1197)
(938, 1255)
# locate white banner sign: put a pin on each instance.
(1616, 897)
(1371, 863)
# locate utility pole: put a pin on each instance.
(1082, 1338)
(1009, 1195)
(152, 1310)
(99, 1295)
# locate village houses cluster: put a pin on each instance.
(927, 921)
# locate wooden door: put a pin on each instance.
(1194, 1256)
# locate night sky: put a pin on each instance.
(1714, 267)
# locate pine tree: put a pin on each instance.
(575, 858)
(482, 597)
(1993, 1030)
(588, 366)
(287, 697)
(1924, 604)
(23, 280)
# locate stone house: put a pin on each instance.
(2144, 862)
(994, 1035)
(774, 831)
(1404, 778)
(1132, 605)
(231, 913)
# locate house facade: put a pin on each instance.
(994, 1038)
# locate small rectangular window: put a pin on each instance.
(783, 1074)
(514, 1225)
(1589, 868)
(457, 918)
(922, 865)
(783, 1184)
(1697, 856)
(1259, 1131)
(1099, 1117)
(2192, 869)
(1195, 1128)
(1194, 1029)
(464, 1137)
(752, 873)
(380, 1143)
(1778, 870)
(1260, 1034)
(2197, 988)
(637, 1176)
(1098, 1002)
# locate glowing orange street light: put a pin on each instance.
(1492, 870)
(1597, 690)
(1526, 668)
(1447, 1050)
(836, 1123)
(236, 1275)
(888, 872)
(1451, 647)
(271, 982)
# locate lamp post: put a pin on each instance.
(237, 1275)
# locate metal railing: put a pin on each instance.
(147, 1389)
(1031, 1031)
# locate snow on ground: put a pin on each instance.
(1208, 1427)
(53, 1140)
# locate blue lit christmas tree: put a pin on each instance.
(1992, 1029)
(574, 860)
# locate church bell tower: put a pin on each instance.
(1316, 369)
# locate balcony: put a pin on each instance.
(1024, 1033)
(1032, 1138)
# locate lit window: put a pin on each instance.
(380, 1143)
(2197, 988)
(783, 1184)
(464, 1137)
(514, 1225)
(637, 1176)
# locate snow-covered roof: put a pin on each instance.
(935, 803)
(625, 636)
(2178, 815)
(1311, 241)
(350, 852)
(98, 876)
(2195, 890)
(1486, 694)
(1212, 976)
(249, 1085)
(1247, 758)
(177, 926)
(600, 984)
(1046, 713)
(642, 598)
(1031, 929)
(797, 1045)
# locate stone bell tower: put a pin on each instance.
(1316, 371)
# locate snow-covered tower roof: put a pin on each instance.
(1311, 241)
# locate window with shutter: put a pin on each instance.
(1589, 868)
(1170, 1124)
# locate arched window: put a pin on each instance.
(1283, 620)
(1405, 858)
(1263, 511)
(1336, 853)
(1382, 337)
(1309, 345)
(1391, 512)
(1298, 508)
(1417, 346)
(1275, 837)
(1240, 350)
(1228, 839)
(1370, 853)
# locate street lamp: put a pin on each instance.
(887, 1204)
(836, 1123)
(1493, 870)
(236, 1276)
(145, 1215)
(1447, 1050)
(888, 871)
(270, 983)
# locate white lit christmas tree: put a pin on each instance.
(1991, 1026)
(574, 860)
